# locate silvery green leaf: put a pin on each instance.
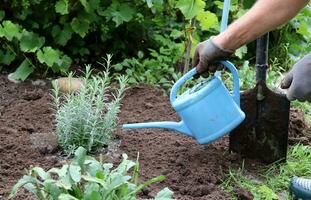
(94, 167)
(41, 173)
(23, 181)
(66, 197)
(60, 172)
(23, 71)
(80, 156)
(75, 172)
(125, 165)
(117, 179)
(94, 180)
(165, 194)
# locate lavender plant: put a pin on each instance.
(88, 117)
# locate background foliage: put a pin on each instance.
(151, 40)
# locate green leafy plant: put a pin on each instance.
(157, 68)
(75, 32)
(85, 178)
(86, 118)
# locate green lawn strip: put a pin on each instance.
(305, 107)
(272, 182)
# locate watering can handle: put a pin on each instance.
(191, 73)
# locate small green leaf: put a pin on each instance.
(75, 173)
(62, 7)
(80, 26)
(100, 175)
(140, 54)
(175, 34)
(207, 20)
(65, 182)
(90, 5)
(118, 67)
(164, 194)
(61, 36)
(67, 197)
(10, 30)
(65, 64)
(60, 172)
(191, 8)
(80, 156)
(241, 51)
(84, 51)
(125, 165)
(86, 5)
(94, 180)
(30, 42)
(149, 3)
(49, 56)
(119, 13)
(7, 57)
(95, 195)
(38, 170)
(2, 15)
(51, 187)
(304, 29)
(23, 181)
(89, 188)
(21, 73)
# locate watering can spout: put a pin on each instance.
(177, 126)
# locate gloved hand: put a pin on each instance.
(298, 80)
(206, 53)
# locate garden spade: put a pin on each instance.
(264, 132)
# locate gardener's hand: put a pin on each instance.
(206, 53)
(298, 80)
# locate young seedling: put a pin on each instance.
(87, 179)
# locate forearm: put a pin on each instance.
(264, 16)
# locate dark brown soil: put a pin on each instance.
(24, 110)
(264, 132)
(193, 171)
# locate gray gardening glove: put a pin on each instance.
(206, 53)
(298, 80)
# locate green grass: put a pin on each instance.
(305, 107)
(273, 181)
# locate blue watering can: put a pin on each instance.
(208, 110)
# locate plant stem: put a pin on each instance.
(190, 32)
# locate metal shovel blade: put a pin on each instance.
(264, 133)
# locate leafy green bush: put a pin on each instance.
(86, 118)
(87, 179)
(75, 32)
(81, 31)
(156, 69)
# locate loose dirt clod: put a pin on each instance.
(243, 194)
(194, 172)
(46, 143)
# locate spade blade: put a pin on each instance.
(264, 133)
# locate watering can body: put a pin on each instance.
(208, 110)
